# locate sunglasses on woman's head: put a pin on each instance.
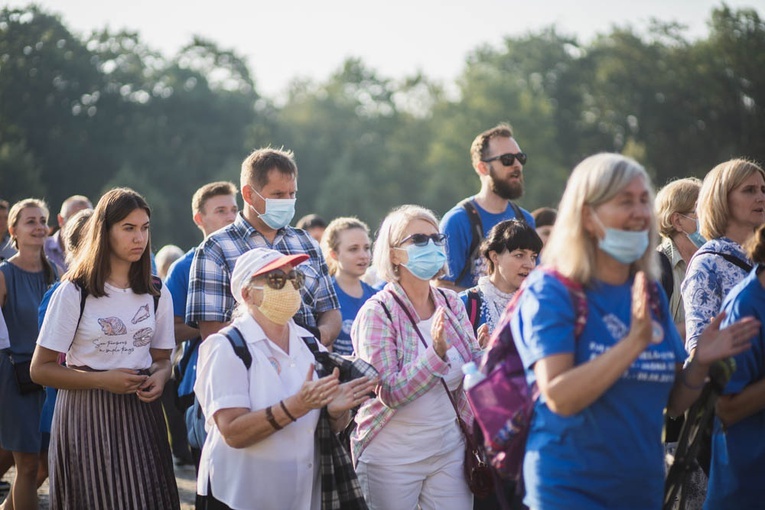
(277, 279)
(422, 239)
(508, 159)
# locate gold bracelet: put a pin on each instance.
(271, 419)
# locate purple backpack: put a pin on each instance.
(503, 402)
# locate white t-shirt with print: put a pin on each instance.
(116, 331)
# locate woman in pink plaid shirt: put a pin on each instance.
(408, 447)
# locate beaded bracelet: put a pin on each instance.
(284, 408)
(271, 419)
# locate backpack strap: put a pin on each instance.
(578, 297)
(667, 279)
(517, 211)
(474, 302)
(235, 338)
(476, 227)
(313, 346)
(729, 257)
(157, 282)
(83, 297)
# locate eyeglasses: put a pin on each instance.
(508, 159)
(422, 239)
(277, 279)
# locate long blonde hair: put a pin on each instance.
(594, 181)
(713, 209)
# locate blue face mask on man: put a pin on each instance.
(626, 246)
(279, 211)
(695, 237)
(425, 261)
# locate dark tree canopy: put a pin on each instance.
(81, 114)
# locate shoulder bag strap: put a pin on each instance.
(727, 256)
(468, 438)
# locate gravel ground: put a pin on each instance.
(184, 476)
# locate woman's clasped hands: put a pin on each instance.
(441, 344)
(329, 391)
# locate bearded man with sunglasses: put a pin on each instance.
(498, 161)
(268, 187)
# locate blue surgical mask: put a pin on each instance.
(279, 211)
(626, 246)
(696, 238)
(425, 261)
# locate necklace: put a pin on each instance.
(494, 302)
(123, 286)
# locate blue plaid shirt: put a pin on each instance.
(209, 295)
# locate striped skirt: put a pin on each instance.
(110, 451)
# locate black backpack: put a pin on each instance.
(476, 226)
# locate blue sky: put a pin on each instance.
(283, 40)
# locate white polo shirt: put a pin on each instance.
(281, 471)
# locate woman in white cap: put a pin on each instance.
(262, 449)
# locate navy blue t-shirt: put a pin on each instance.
(610, 454)
(349, 307)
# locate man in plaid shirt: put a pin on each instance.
(268, 186)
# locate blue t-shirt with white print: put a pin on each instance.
(610, 454)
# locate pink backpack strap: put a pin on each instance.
(577, 295)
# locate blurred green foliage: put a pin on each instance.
(79, 115)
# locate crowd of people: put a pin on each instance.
(240, 346)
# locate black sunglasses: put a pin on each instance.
(277, 279)
(422, 239)
(508, 159)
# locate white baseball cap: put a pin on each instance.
(259, 261)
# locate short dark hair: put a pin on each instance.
(311, 221)
(510, 235)
(480, 146)
(544, 216)
(256, 166)
(4, 205)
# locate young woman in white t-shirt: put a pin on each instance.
(109, 445)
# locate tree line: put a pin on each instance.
(82, 114)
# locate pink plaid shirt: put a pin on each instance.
(391, 347)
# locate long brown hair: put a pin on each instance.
(93, 266)
(13, 219)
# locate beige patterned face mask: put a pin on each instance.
(279, 306)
